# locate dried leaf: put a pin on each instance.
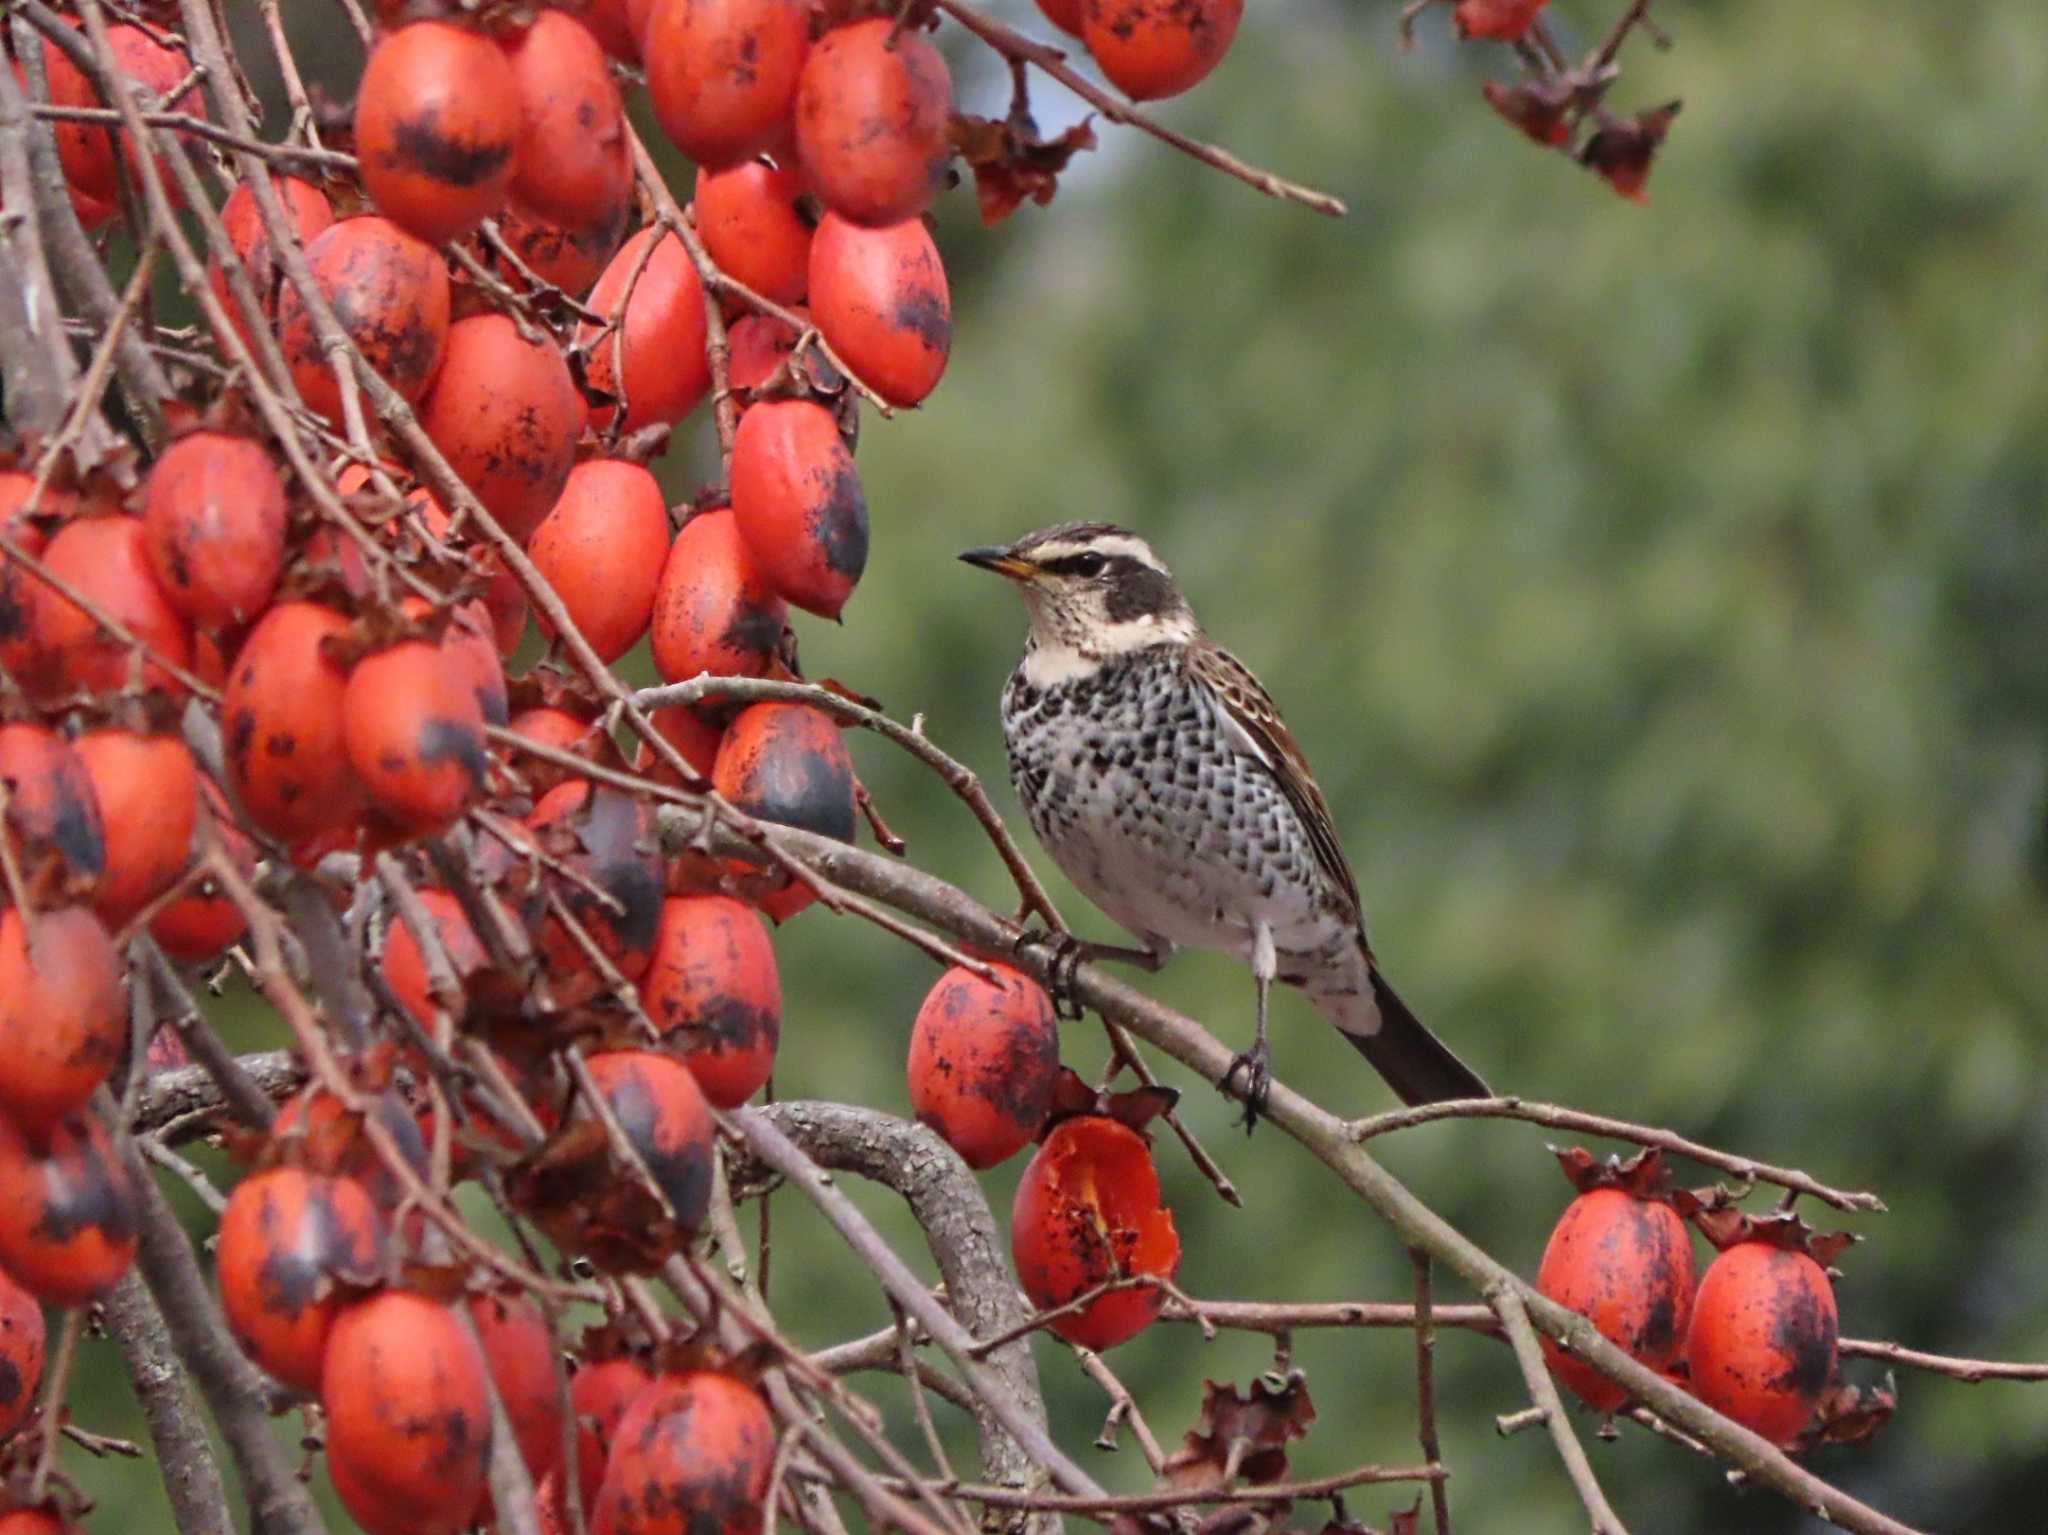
(1538, 107)
(1241, 1437)
(1622, 151)
(1011, 162)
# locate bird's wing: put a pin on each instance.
(1257, 730)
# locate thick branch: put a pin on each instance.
(184, 1450)
(962, 1235)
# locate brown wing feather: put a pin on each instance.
(1252, 708)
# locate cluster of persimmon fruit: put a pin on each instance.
(215, 691)
(1755, 1337)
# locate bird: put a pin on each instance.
(1156, 771)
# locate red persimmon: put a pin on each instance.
(1626, 1263)
(414, 734)
(755, 226)
(722, 73)
(282, 724)
(573, 167)
(662, 1111)
(872, 112)
(601, 548)
(691, 1456)
(984, 1060)
(63, 1022)
(67, 1211)
(880, 297)
(289, 1242)
(306, 210)
(655, 321)
(797, 501)
(214, 512)
(389, 291)
(21, 1355)
(1155, 48)
(715, 993)
(147, 789)
(505, 412)
(714, 611)
(106, 561)
(1762, 1344)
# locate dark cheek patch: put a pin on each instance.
(1136, 589)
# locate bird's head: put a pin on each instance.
(1094, 590)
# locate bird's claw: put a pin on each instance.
(1067, 954)
(1257, 1066)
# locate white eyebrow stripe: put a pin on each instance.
(1109, 546)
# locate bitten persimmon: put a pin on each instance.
(713, 609)
(754, 224)
(573, 167)
(414, 734)
(281, 724)
(715, 993)
(506, 414)
(310, 215)
(53, 812)
(289, 1242)
(797, 501)
(408, 1415)
(437, 128)
(63, 1022)
(657, 322)
(722, 73)
(880, 297)
(663, 1113)
(1155, 48)
(67, 1211)
(601, 548)
(984, 1060)
(214, 511)
(1087, 1211)
(1761, 1348)
(1624, 1261)
(21, 1355)
(147, 790)
(757, 345)
(872, 113)
(389, 291)
(106, 561)
(691, 1456)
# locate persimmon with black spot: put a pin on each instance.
(722, 74)
(63, 1019)
(654, 321)
(106, 561)
(1088, 1210)
(569, 258)
(714, 991)
(754, 224)
(872, 112)
(609, 840)
(291, 1243)
(797, 501)
(1763, 1341)
(787, 763)
(67, 1210)
(309, 215)
(1621, 1256)
(407, 1397)
(691, 1456)
(389, 292)
(22, 1342)
(506, 414)
(573, 166)
(880, 297)
(282, 723)
(984, 1061)
(147, 788)
(714, 609)
(437, 128)
(214, 510)
(1152, 49)
(663, 1113)
(52, 815)
(326, 1136)
(414, 734)
(601, 548)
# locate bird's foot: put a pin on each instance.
(1257, 1066)
(1068, 955)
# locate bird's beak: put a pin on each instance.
(1001, 561)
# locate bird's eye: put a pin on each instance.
(1086, 565)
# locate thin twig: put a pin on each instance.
(1514, 1317)
(1425, 1388)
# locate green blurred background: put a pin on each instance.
(1658, 592)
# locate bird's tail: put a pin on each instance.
(1418, 1066)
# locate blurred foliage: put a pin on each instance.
(1659, 594)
